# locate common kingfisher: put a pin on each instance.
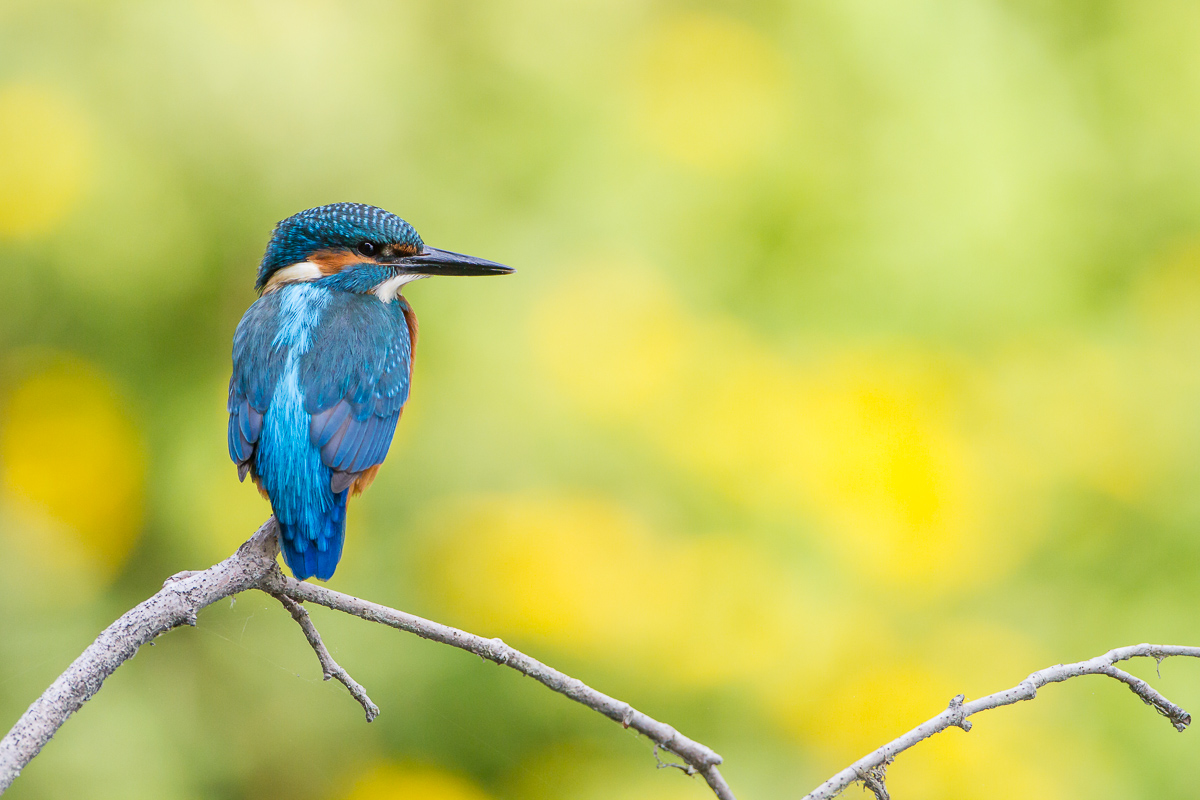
(322, 364)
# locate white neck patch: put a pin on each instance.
(305, 271)
(296, 273)
(390, 289)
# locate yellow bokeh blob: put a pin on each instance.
(44, 155)
(923, 469)
(982, 766)
(860, 441)
(413, 782)
(894, 479)
(71, 455)
(888, 685)
(712, 91)
(869, 702)
(589, 578)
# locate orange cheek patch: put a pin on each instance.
(331, 262)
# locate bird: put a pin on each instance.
(322, 366)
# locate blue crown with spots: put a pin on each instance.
(335, 226)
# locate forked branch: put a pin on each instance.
(253, 566)
(329, 667)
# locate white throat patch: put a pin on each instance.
(296, 273)
(390, 289)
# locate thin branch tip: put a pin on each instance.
(700, 757)
(254, 566)
(959, 709)
(329, 667)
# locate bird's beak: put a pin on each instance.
(432, 261)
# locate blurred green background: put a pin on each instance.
(851, 364)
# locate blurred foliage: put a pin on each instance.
(851, 364)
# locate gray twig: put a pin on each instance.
(253, 567)
(329, 667)
(868, 768)
(875, 779)
(699, 757)
(174, 605)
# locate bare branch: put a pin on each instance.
(177, 603)
(329, 667)
(696, 755)
(874, 779)
(253, 567)
(869, 768)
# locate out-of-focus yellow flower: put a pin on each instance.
(982, 766)
(863, 706)
(44, 159)
(889, 685)
(711, 91)
(413, 782)
(72, 455)
(591, 579)
(1009, 752)
(923, 471)
(885, 683)
(863, 442)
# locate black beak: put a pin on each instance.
(432, 261)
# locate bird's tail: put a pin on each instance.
(312, 545)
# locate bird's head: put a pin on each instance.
(365, 246)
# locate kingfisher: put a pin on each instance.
(322, 365)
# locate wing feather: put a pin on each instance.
(257, 365)
(328, 422)
(354, 438)
(355, 379)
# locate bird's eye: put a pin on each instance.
(366, 248)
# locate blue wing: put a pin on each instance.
(319, 381)
(355, 379)
(257, 366)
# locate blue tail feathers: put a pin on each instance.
(312, 546)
